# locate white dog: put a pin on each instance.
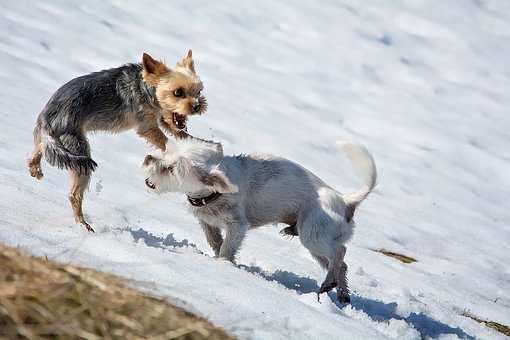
(237, 193)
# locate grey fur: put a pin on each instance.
(261, 190)
(133, 96)
(76, 156)
(108, 100)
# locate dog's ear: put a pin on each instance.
(219, 181)
(152, 69)
(149, 159)
(153, 66)
(187, 62)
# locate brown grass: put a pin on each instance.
(43, 299)
(491, 324)
(400, 257)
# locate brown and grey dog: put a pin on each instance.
(145, 97)
(238, 193)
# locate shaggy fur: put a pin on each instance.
(145, 97)
(264, 189)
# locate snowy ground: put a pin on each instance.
(425, 85)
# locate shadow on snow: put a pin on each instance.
(425, 325)
(154, 241)
(376, 310)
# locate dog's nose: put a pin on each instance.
(149, 184)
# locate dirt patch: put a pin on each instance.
(402, 258)
(491, 324)
(43, 299)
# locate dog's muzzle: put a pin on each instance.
(150, 184)
(179, 120)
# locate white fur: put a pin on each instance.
(364, 165)
(265, 189)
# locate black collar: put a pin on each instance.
(202, 201)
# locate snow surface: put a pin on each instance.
(425, 85)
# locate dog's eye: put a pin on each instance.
(169, 169)
(199, 93)
(179, 92)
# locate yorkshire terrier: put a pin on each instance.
(146, 97)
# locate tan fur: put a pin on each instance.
(149, 129)
(172, 81)
(78, 185)
(155, 136)
(187, 62)
(34, 163)
(167, 81)
(290, 219)
(152, 69)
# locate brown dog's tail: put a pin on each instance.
(364, 164)
(69, 151)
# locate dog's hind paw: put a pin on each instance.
(343, 297)
(36, 172)
(88, 227)
(289, 231)
(326, 287)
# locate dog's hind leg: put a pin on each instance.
(213, 236)
(328, 284)
(337, 276)
(79, 182)
(323, 261)
(342, 289)
(34, 163)
(77, 144)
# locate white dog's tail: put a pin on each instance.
(364, 165)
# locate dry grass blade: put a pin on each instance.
(42, 299)
(491, 324)
(402, 258)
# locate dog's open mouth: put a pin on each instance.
(150, 184)
(179, 120)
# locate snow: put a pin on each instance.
(425, 85)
